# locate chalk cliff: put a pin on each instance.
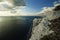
(48, 27)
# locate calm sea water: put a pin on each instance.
(16, 28)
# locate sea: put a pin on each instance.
(16, 27)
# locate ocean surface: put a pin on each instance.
(15, 27)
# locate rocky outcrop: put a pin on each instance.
(55, 26)
(41, 29)
(49, 26)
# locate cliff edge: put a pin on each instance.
(48, 27)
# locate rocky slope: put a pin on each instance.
(55, 26)
(48, 27)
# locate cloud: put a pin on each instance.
(11, 7)
(19, 2)
(15, 2)
(47, 10)
(9, 4)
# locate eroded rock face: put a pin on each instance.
(36, 21)
(49, 27)
(57, 8)
(41, 30)
(55, 26)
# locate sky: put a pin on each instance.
(37, 5)
(30, 6)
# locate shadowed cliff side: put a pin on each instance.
(49, 26)
(55, 26)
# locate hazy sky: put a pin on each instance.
(37, 5)
(32, 6)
